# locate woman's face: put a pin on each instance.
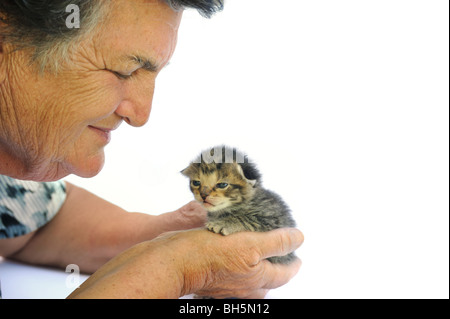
(55, 125)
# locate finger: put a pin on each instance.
(191, 215)
(280, 242)
(240, 294)
(257, 294)
(277, 275)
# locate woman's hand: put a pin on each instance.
(235, 265)
(197, 261)
(192, 215)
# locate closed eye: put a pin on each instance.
(122, 76)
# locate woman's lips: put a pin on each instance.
(103, 133)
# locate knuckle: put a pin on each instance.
(284, 243)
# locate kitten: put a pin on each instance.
(229, 188)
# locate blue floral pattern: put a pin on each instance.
(26, 206)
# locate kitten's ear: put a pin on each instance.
(241, 172)
(190, 171)
(185, 171)
(252, 182)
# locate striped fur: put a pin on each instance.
(244, 205)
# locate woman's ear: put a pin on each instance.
(2, 50)
(2, 60)
(5, 51)
(2, 25)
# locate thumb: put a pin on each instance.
(280, 242)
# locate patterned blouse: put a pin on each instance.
(26, 206)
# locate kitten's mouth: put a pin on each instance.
(207, 204)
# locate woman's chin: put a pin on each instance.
(90, 167)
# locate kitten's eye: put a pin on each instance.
(196, 183)
(222, 185)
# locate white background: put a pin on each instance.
(344, 107)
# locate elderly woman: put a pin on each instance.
(65, 85)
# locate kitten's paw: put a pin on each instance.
(219, 228)
(226, 231)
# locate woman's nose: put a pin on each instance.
(136, 106)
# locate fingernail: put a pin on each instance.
(298, 235)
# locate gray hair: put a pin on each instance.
(207, 8)
(41, 24)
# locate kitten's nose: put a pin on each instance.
(205, 192)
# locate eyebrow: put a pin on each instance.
(144, 63)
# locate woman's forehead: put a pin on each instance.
(139, 32)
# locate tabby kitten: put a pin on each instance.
(229, 188)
